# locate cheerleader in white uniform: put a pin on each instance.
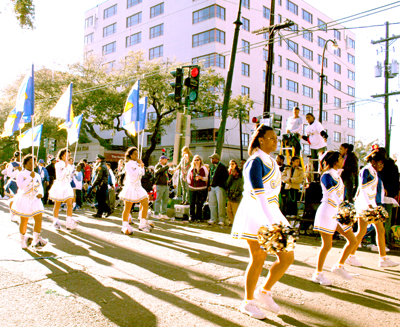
(62, 191)
(27, 203)
(371, 193)
(333, 194)
(260, 207)
(11, 188)
(133, 192)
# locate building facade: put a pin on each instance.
(202, 31)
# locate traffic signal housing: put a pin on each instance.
(46, 143)
(177, 85)
(276, 123)
(192, 82)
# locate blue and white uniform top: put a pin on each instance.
(28, 186)
(133, 190)
(63, 172)
(332, 188)
(370, 189)
(62, 190)
(12, 173)
(260, 203)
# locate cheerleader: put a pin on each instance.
(13, 169)
(370, 193)
(61, 191)
(333, 193)
(27, 203)
(133, 192)
(260, 206)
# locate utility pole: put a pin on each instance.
(386, 94)
(228, 86)
(270, 62)
(240, 131)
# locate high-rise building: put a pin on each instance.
(202, 31)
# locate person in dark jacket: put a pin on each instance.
(234, 190)
(350, 170)
(51, 170)
(216, 191)
(161, 181)
(100, 185)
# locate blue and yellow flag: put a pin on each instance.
(63, 108)
(25, 97)
(74, 130)
(131, 110)
(31, 137)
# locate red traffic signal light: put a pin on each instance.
(194, 72)
(163, 150)
(254, 120)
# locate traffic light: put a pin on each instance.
(46, 143)
(52, 144)
(177, 85)
(192, 83)
(276, 123)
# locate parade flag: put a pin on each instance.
(11, 125)
(31, 137)
(74, 130)
(142, 114)
(25, 97)
(131, 110)
(63, 108)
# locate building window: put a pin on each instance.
(280, 102)
(246, 24)
(211, 60)
(337, 119)
(307, 16)
(321, 42)
(156, 31)
(308, 35)
(351, 123)
(134, 19)
(245, 90)
(246, 47)
(307, 53)
(337, 52)
(291, 104)
(280, 81)
(307, 91)
(279, 19)
(265, 55)
(89, 21)
(152, 116)
(292, 86)
(272, 100)
(111, 11)
(292, 7)
(294, 28)
(325, 61)
(89, 38)
(325, 82)
(351, 90)
(131, 3)
(337, 68)
(208, 37)
(322, 26)
(109, 65)
(352, 43)
(351, 107)
(292, 66)
(336, 137)
(245, 69)
(110, 29)
(337, 85)
(208, 13)
(156, 52)
(336, 34)
(324, 97)
(203, 135)
(307, 72)
(245, 139)
(351, 75)
(266, 12)
(246, 4)
(157, 10)
(280, 60)
(351, 59)
(133, 39)
(351, 139)
(109, 48)
(292, 46)
(88, 54)
(307, 109)
(324, 115)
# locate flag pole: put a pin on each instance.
(138, 137)
(141, 149)
(76, 147)
(33, 118)
(19, 148)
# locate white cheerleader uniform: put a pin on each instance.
(332, 196)
(26, 203)
(370, 190)
(133, 190)
(12, 172)
(61, 190)
(260, 203)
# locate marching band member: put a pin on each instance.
(13, 169)
(260, 206)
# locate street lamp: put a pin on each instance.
(322, 76)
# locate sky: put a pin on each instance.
(58, 40)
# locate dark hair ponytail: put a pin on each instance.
(349, 147)
(259, 132)
(129, 152)
(330, 159)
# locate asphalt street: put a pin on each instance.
(178, 275)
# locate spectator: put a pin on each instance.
(217, 194)
(280, 159)
(78, 180)
(100, 185)
(161, 182)
(2, 167)
(44, 175)
(87, 172)
(292, 176)
(184, 167)
(120, 173)
(197, 178)
(294, 126)
(234, 190)
(111, 188)
(350, 170)
(51, 170)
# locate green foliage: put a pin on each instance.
(25, 13)
(362, 150)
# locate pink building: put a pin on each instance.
(199, 31)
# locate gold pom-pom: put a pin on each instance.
(374, 215)
(346, 214)
(277, 238)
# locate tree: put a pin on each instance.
(25, 12)
(362, 150)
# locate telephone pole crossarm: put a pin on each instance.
(276, 27)
(394, 37)
(385, 94)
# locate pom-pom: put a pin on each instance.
(277, 238)
(346, 214)
(374, 215)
